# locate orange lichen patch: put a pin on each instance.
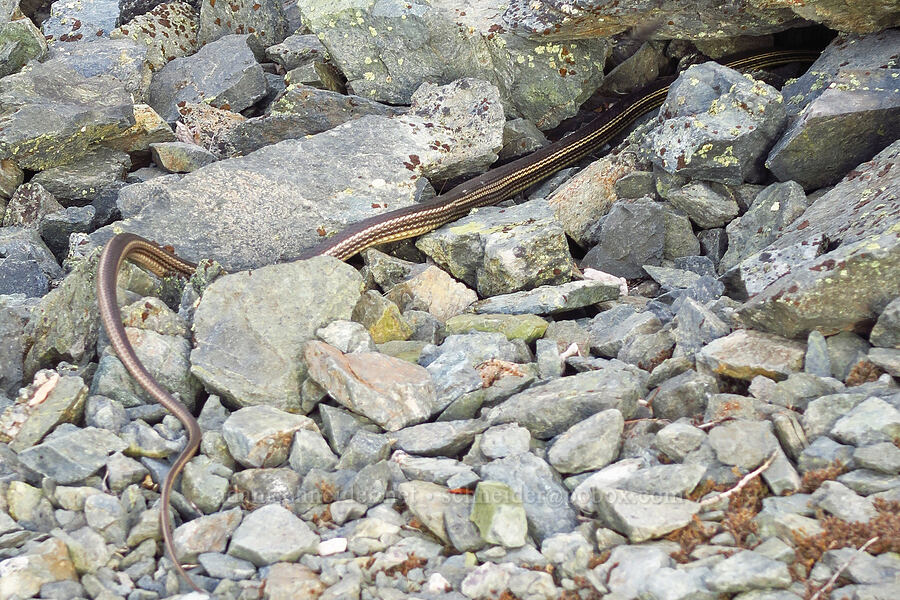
(328, 491)
(811, 480)
(411, 562)
(689, 537)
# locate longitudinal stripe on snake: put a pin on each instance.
(490, 188)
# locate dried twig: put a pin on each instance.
(742, 483)
(828, 585)
(572, 350)
(711, 424)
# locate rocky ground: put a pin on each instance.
(669, 373)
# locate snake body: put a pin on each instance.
(489, 188)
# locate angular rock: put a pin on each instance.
(748, 570)
(21, 42)
(499, 515)
(72, 454)
(265, 19)
(503, 250)
(260, 436)
(272, 534)
(745, 354)
(621, 250)
(642, 517)
(245, 350)
(589, 445)
(223, 73)
(684, 395)
(708, 204)
(168, 31)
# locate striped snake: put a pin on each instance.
(489, 188)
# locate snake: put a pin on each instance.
(490, 188)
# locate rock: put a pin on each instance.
(869, 422)
(444, 438)
(549, 299)
(501, 441)
(813, 298)
(716, 125)
(886, 332)
(537, 484)
(72, 454)
(748, 570)
(81, 22)
(588, 445)
(883, 457)
(14, 314)
(745, 354)
(433, 291)
(265, 20)
(124, 59)
(503, 250)
(479, 43)
(776, 207)
(260, 436)
(44, 564)
(209, 533)
(684, 395)
(744, 444)
(499, 515)
(223, 73)
(664, 480)
(427, 501)
(610, 330)
(168, 31)
(390, 391)
(49, 401)
(245, 350)
(620, 251)
(53, 114)
(574, 398)
(678, 439)
(21, 42)
(840, 501)
(709, 205)
(642, 517)
(327, 197)
(180, 157)
(310, 451)
(523, 327)
(272, 534)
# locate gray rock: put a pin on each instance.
(44, 563)
(28, 265)
(745, 354)
(73, 339)
(887, 359)
(444, 438)
(664, 480)
(814, 298)
(588, 445)
(347, 337)
(571, 553)
(433, 291)
(883, 457)
(124, 59)
(435, 470)
(392, 392)
(327, 196)
(708, 204)
(680, 239)
(642, 517)
(748, 570)
(81, 22)
(678, 439)
(537, 485)
(613, 328)
(845, 350)
(265, 19)
(625, 571)
(718, 127)
(339, 426)
(862, 567)
(56, 228)
(697, 326)
(574, 399)
(822, 413)
(684, 395)
(842, 127)
(14, 314)
(840, 501)
(28, 205)
(223, 73)
(260, 436)
(245, 350)
(823, 452)
(271, 534)
(180, 157)
(310, 450)
(205, 483)
(364, 448)
(886, 332)
(222, 566)
(53, 114)
(869, 422)
(744, 444)
(817, 361)
(773, 209)
(503, 250)
(714, 243)
(505, 440)
(549, 299)
(866, 482)
(621, 251)
(528, 79)
(72, 454)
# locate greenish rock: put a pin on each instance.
(409, 350)
(499, 514)
(549, 299)
(50, 338)
(514, 327)
(381, 318)
(50, 115)
(20, 42)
